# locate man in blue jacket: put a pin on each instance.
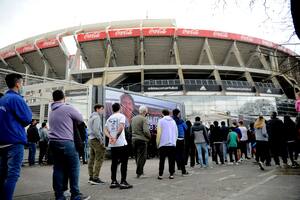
(14, 116)
(182, 127)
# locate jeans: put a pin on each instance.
(66, 166)
(10, 166)
(140, 150)
(200, 147)
(31, 155)
(225, 150)
(43, 150)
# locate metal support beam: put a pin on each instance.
(262, 59)
(206, 50)
(84, 58)
(43, 57)
(234, 51)
(6, 64)
(106, 63)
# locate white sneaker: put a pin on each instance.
(260, 164)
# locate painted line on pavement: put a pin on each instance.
(226, 177)
(267, 173)
(247, 189)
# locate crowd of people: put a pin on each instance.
(181, 142)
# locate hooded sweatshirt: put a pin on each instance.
(61, 121)
(200, 133)
(167, 132)
(14, 116)
(260, 130)
(94, 125)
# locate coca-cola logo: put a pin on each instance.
(122, 33)
(246, 38)
(190, 32)
(160, 31)
(49, 43)
(26, 49)
(220, 34)
(94, 35)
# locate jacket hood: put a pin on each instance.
(169, 118)
(197, 123)
(56, 105)
(94, 114)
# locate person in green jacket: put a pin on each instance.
(232, 141)
(140, 136)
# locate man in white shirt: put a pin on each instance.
(244, 139)
(114, 130)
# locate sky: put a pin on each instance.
(21, 19)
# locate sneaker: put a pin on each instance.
(90, 179)
(125, 185)
(185, 174)
(260, 164)
(114, 184)
(159, 177)
(96, 181)
(82, 197)
(171, 177)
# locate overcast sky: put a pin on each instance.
(21, 19)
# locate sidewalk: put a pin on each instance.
(244, 181)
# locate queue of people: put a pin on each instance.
(176, 140)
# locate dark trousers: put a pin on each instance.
(233, 151)
(262, 151)
(119, 155)
(180, 156)
(292, 150)
(193, 154)
(279, 150)
(140, 149)
(244, 148)
(167, 151)
(218, 147)
(43, 150)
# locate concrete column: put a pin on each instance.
(219, 80)
(178, 63)
(250, 80)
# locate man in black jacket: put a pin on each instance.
(217, 142)
(32, 138)
(275, 129)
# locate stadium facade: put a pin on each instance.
(212, 72)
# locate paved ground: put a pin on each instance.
(244, 181)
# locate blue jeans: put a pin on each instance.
(225, 150)
(200, 147)
(66, 167)
(10, 166)
(31, 155)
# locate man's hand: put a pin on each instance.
(112, 140)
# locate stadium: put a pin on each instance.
(215, 74)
